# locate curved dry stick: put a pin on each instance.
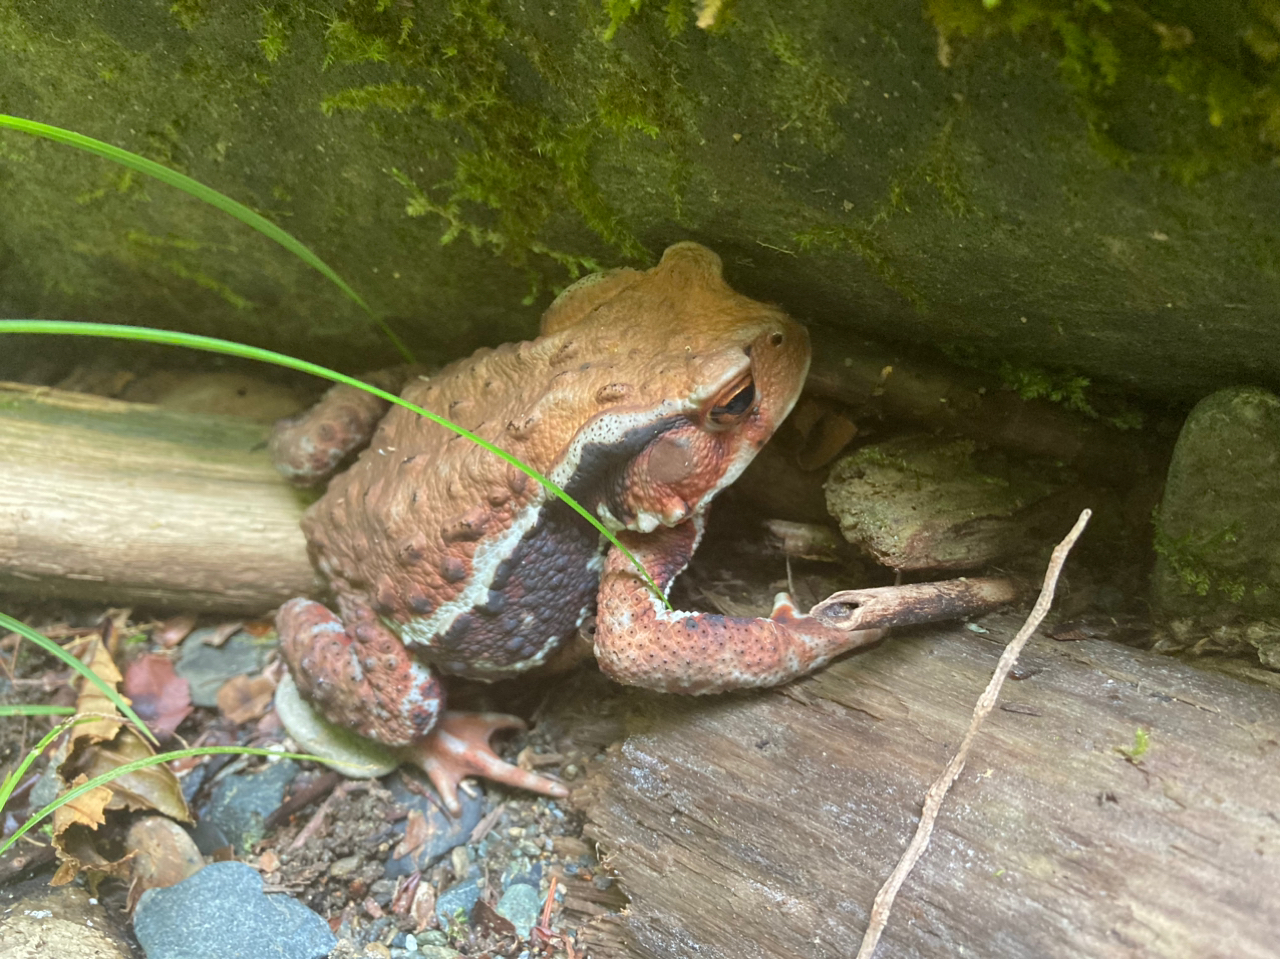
(986, 702)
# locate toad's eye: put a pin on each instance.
(738, 404)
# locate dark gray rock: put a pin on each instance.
(222, 913)
(241, 803)
(520, 905)
(457, 901)
(444, 832)
(206, 667)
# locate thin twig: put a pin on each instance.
(986, 702)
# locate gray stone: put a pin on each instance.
(522, 869)
(207, 667)
(222, 911)
(928, 503)
(438, 952)
(444, 832)
(520, 905)
(350, 754)
(456, 902)
(241, 803)
(1218, 528)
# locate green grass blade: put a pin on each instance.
(134, 766)
(53, 649)
(213, 345)
(207, 195)
(11, 781)
(35, 709)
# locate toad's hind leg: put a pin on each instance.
(362, 677)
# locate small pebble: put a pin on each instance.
(455, 903)
(520, 905)
(438, 952)
(344, 867)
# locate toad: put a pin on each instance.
(646, 394)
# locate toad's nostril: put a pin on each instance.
(776, 339)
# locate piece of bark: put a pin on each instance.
(761, 825)
(127, 503)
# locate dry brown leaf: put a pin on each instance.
(268, 862)
(114, 627)
(74, 827)
(242, 698)
(91, 701)
(78, 849)
(223, 633)
(173, 631)
(423, 909)
(486, 920)
(150, 788)
(832, 433)
(415, 835)
(402, 898)
(86, 810)
(159, 695)
(93, 749)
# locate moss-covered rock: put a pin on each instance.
(1049, 186)
(1218, 526)
(925, 503)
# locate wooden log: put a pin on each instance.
(127, 503)
(762, 825)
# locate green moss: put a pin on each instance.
(180, 257)
(190, 13)
(936, 170)
(1197, 562)
(514, 165)
(275, 35)
(114, 180)
(1141, 743)
(1033, 383)
(805, 90)
(1222, 61)
(619, 12)
(860, 240)
(676, 15)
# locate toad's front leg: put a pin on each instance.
(642, 643)
(361, 676)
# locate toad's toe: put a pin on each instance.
(458, 747)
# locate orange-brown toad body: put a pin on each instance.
(646, 395)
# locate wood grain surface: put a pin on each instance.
(127, 503)
(762, 825)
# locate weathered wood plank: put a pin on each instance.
(762, 825)
(128, 503)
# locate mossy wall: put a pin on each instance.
(1084, 187)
